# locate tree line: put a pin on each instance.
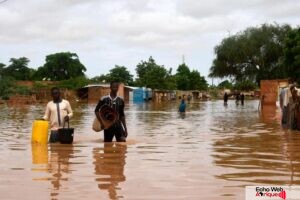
(270, 51)
(66, 68)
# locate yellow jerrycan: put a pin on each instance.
(39, 132)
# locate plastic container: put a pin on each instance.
(40, 132)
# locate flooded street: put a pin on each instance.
(210, 153)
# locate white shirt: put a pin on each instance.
(51, 113)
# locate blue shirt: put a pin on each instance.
(182, 107)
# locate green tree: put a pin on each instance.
(183, 77)
(189, 80)
(225, 84)
(292, 54)
(196, 81)
(155, 78)
(2, 67)
(142, 68)
(18, 69)
(170, 81)
(153, 75)
(121, 74)
(251, 55)
(61, 66)
(245, 85)
(6, 85)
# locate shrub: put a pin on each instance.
(6, 86)
(74, 83)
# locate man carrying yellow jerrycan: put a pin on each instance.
(58, 111)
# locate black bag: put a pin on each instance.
(66, 135)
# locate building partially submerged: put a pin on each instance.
(137, 94)
(270, 90)
(163, 95)
(93, 92)
(195, 94)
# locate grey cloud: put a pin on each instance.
(116, 26)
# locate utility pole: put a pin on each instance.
(183, 59)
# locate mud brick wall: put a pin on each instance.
(269, 88)
(22, 99)
(25, 83)
(44, 95)
(96, 92)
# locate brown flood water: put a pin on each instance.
(210, 153)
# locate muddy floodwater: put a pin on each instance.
(212, 152)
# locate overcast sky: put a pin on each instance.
(124, 32)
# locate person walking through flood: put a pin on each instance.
(58, 111)
(293, 100)
(119, 128)
(189, 98)
(182, 106)
(286, 104)
(237, 99)
(225, 98)
(242, 99)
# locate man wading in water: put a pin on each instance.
(118, 129)
(58, 112)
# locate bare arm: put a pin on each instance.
(70, 111)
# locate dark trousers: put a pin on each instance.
(117, 131)
(284, 118)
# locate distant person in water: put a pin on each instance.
(58, 111)
(242, 98)
(189, 98)
(182, 106)
(225, 98)
(237, 98)
(119, 128)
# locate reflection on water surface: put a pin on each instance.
(211, 152)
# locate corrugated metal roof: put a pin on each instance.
(131, 87)
(97, 85)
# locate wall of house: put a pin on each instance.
(270, 90)
(44, 95)
(22, 99)
(126, 94)
(96, 92)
